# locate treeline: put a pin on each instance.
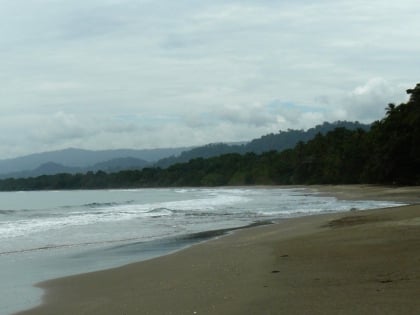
(388, 153)
(272, 142)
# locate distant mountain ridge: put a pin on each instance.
(272, 142)
(52, 168)
(81, 161)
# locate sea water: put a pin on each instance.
(50, 234)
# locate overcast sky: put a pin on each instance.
(101, 74)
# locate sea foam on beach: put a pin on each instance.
(49, 234)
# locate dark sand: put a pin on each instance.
(359, 262)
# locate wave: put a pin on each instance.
(167, 213)
(156, 213)
(58, 246)
(7, 212)
(214, 204)
(42, 222)
(93, 205)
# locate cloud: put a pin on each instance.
(141, 73)
(256, 115)
(367, 102)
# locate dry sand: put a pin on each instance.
(359, 262)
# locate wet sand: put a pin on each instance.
(358, 262)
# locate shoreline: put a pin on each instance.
(405, 194)
(294, 267)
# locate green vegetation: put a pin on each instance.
(389, 153)
(272, 142)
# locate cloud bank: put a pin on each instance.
(111, 74)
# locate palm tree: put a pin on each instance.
(390, 109)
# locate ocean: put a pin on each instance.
(50, 234)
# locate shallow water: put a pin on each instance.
(49, 234)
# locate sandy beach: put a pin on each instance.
(358, 262)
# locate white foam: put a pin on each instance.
(95, 213)
(47, 226)
(195, 206)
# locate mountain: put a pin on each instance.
(49, 168)
(272, 142)
(81, 161)
(120, 164)
(52, 168)
(78, 158)
(288, 139)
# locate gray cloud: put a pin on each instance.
(367, 102)
(107, 73)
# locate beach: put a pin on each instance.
(357, 262)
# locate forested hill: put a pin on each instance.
(389, 153)
(272, 142)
